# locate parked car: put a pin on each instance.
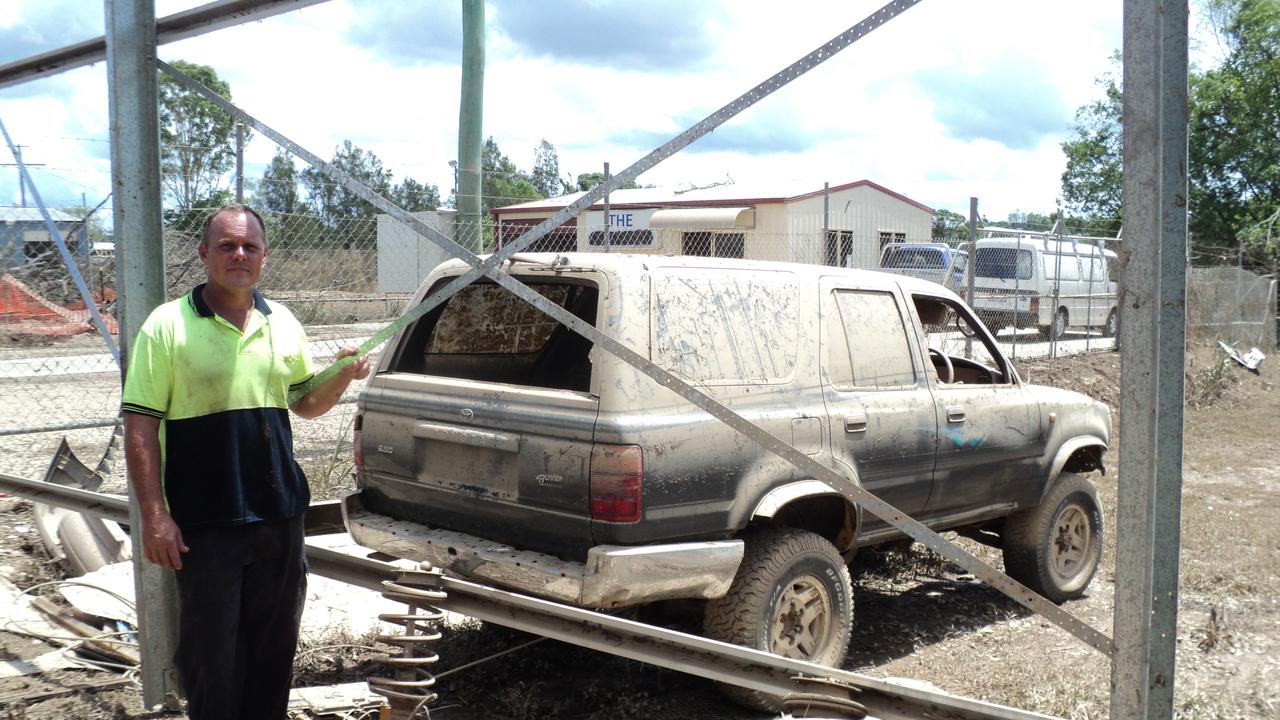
(936, 262)
(497, 444)
(1051, 285)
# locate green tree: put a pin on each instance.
(414, 196)
(502, 183)
(546, 171)
(347, 216)
(1235, 129)
(1234, 156)
(949, 226)
(278, 191)
(197, 139)
(1092, 183)
(586, 181)
(333, 201)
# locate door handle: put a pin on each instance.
(855, 423)
(955, 414)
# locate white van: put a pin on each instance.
(1052, 285)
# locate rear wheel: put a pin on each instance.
(792, 596)
(1054, 547)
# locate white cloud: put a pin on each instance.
(866, 113)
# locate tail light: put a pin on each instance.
(356, 446)
(1035, 304)
(617, 483)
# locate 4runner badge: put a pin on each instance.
(549, 479)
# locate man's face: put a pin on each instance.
(235, 252)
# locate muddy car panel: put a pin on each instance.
(490, 421)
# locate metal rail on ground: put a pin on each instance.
(711, 659)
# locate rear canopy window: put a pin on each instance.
(486, 333)
(723, 329)
(1003, 263)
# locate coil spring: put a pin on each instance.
(410, 689)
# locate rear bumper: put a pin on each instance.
(612, 576)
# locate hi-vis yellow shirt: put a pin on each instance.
(222, 398)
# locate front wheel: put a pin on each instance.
(1054, 548)
(792, 597)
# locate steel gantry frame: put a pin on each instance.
(1155, 147)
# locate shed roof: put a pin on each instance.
(30, 214)
(718, 196)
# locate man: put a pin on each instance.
(210, 457)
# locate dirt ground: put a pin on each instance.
(916, 616)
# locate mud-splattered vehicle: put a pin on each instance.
(501, 446)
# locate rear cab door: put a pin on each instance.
(880, 412)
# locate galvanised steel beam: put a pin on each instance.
(171, 28)
(1153, 334)
(135, 185)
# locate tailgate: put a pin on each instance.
(505, 463)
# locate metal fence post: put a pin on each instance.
(973, 270)
(470, 128)
(607, 222)
(135, 180)
(1154, 337)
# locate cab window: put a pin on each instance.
(959, 352)
(869, 346)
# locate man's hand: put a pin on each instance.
(162, 541)
(324, 396)
(357, 370)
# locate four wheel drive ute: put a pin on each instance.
(499, 445)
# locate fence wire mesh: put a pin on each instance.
(345, 279)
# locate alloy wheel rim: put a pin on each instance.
(1072, 543)
(802, 625)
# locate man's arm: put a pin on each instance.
(161, 538)
(324, 396)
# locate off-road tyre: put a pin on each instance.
(782, 570)
(1055, 547)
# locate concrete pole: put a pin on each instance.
(239, 162)
(1149, 485)
(470, 126)
(139, 232)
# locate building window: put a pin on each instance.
(622, 238)
(839, 248)
(705, 243)
(561, 239)
(890, 237)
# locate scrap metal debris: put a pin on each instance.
(1249, 361)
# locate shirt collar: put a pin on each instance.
(203, 310)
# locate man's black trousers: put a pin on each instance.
(241, 590)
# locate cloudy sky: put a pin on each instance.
(950, 100)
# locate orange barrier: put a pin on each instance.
(27, 312)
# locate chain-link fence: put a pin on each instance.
(1233, 305)
(1041, 295)
(58, 379)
